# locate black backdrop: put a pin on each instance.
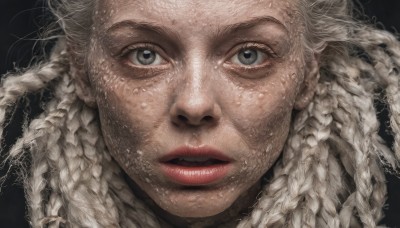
(19, 21)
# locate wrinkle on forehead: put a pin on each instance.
(197, 13)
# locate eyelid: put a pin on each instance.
(128, 50)
(253, 45)
(251, 71)
(269, 53)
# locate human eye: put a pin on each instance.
(250, 60)
(251, 55)
(144, 56)
(248, 57)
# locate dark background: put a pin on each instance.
(21, 19)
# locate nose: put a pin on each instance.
(195, 103)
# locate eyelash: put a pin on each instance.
(146, 46)
(253, 46)
(134, 47)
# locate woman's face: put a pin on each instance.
(195, 97)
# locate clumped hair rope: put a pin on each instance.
(331, 173)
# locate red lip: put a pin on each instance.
(195, 166)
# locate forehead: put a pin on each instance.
(192, 13)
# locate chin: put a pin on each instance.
(195, 203)
(202, 211)
(195, 213)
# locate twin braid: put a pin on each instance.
(72, 179)
(299, 195)
(385, 51)
(331, 174)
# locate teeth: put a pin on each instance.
(194, 159)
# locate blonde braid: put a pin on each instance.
(35, 79)
(347, 138)
(349, 99)
(384, 49)
(327, 179)
(291, 199)
(70, 170)
(57, 110)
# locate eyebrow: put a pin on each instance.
(141, 25)
(251, 23)
(158, 28)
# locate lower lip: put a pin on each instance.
(195, 176)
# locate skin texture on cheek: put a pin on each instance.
(116, 120)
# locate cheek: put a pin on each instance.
(264, 113)
(128, 116)
(121, 137)
(127, 126)
(263, 120)
(266, 135)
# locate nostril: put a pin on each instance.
(194, 121)
(208, 118)
(182, 118)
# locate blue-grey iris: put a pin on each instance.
(146, 56)
(248, 56)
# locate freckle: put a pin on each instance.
(269, 147)
(221, 195)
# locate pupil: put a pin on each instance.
(248, 56)
(146, 56)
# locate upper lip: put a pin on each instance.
(195, 152)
